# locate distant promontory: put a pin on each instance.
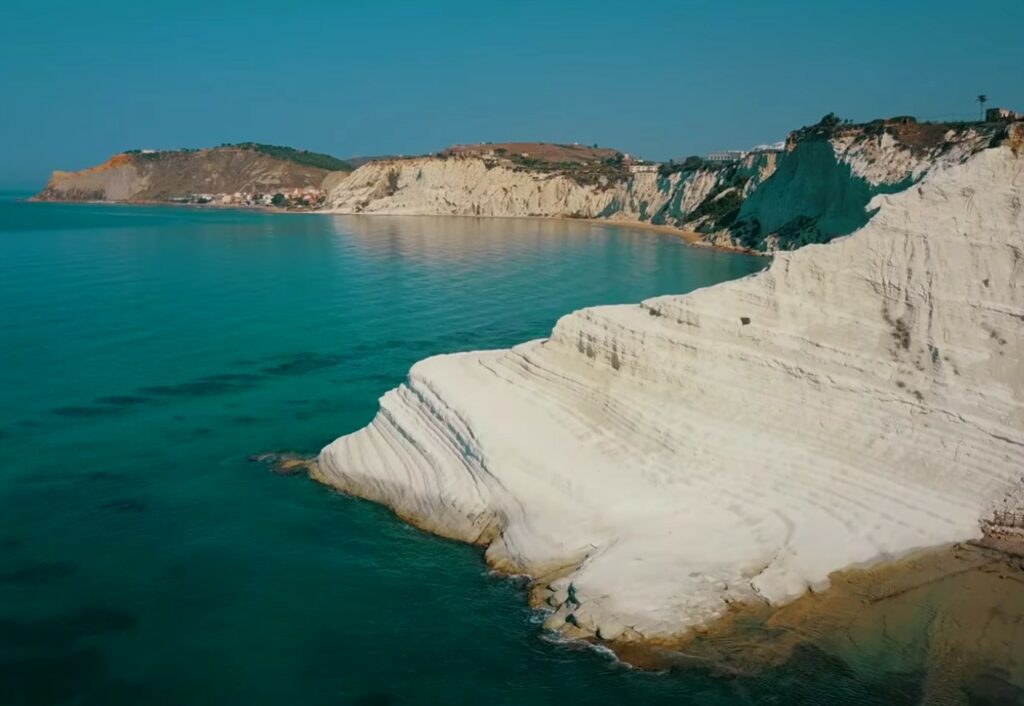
(241, 174)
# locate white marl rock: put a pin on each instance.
(854, 402)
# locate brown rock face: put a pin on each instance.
(159, 176)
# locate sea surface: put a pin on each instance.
(147, 353)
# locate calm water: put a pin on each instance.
(145, 353)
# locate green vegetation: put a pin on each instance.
(830, 120)
(603, 173)
(289, 154)
(691, 163)
(279, 200)
(303, 157)
(392, 182)
(615, 161)
(722, 208)
(612, 208)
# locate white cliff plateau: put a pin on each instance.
(650, 464)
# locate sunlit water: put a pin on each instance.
(145, 353)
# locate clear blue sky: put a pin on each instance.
(80, 81)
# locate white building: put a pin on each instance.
(999, 115)
(773, 147)
(726, 156)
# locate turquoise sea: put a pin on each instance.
(146, 353)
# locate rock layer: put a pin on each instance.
(650, 464)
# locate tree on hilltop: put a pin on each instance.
(830, 120)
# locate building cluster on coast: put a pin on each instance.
(295, 198)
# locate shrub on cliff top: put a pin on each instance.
(303, 157)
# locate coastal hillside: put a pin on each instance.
(813, 190)
(650, 465)
(204, 175)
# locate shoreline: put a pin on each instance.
(950, 614)
(971, 597)
(172, 204)
(689, 237)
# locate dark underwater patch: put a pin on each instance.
(104, 476)
(237, 378)
(61, 631)
(90, 477)
(82, 411)
(302, 363)
(378, 698)
(203, 387)
(122, 400)
(813, 676)
(49, 679)
(123, 505)
(993, 689)
(37, 572)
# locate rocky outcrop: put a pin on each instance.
(160, 176)
(651, 464)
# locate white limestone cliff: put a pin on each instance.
(651, 463)
(471, 186)
(433, 186)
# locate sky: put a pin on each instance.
(80, 81)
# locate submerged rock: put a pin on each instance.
(285, 463)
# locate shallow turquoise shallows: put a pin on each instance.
(145, 353)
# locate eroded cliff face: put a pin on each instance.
(467, 186)
(817, 189)
(651, 464)
(827, 177)
(159, 176)
(471, 186)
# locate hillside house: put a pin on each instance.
(1002, 115)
